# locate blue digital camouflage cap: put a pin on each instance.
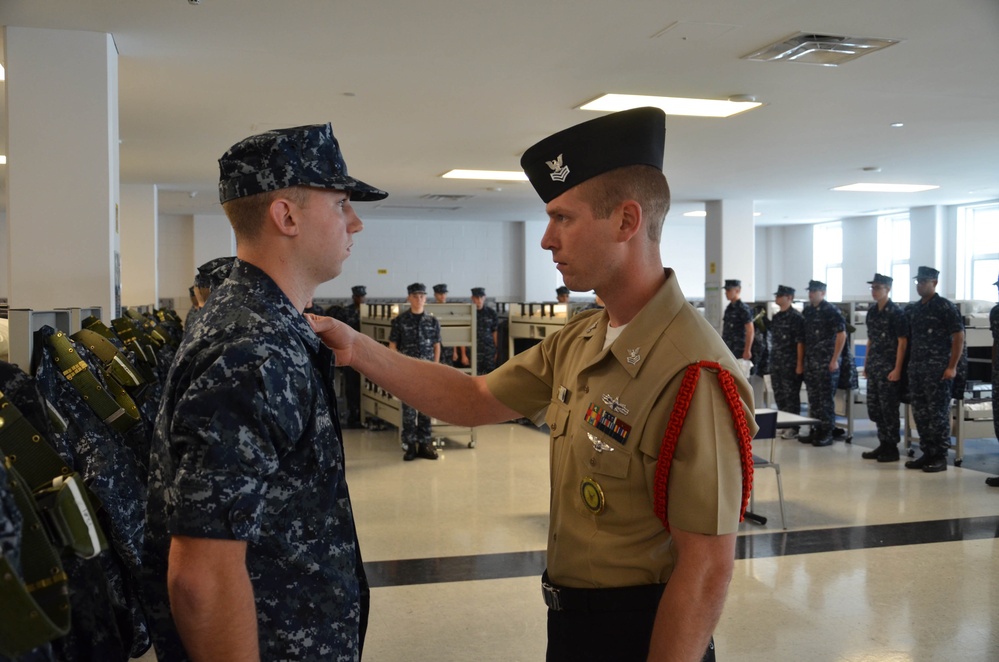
(732, 283)
(816, 286)
(784, 291)
(927, 273)
(440, 288)
(416, 288)
(211, 274)
(478, 291)
(880, 279)
(570, 157)
(562, 290)
(301, 156)
(359, 291)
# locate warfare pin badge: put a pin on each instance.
(593, 496)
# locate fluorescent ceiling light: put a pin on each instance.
(886, 188)
(3, 159)
(3, 74)
(671, 105)
(501, 175)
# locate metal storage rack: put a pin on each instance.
(457, 328)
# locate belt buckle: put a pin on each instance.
(551, 596)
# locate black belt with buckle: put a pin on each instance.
(627, 598)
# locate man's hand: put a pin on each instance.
(336, 335)
(949, 373)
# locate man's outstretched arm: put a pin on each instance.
(435, 389)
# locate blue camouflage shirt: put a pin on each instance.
(246, 448)
(931, 327)
(737, 316)
(415, 335)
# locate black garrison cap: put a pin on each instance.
(570, 157)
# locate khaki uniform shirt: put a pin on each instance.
(621, 398)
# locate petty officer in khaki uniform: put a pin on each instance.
(650, 426)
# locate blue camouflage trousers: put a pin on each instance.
(821, 384)
(415, 428)
(882, 405)
(931, 409)
(995, 401)
(787, 390)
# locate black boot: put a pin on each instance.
(874, 454)
(888, 454)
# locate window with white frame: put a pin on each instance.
(827, 258)
(977, 251)
(893, 253)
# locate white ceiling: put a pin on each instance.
(415, 88)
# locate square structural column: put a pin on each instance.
(729, 252)
(62, 169)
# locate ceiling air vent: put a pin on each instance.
(826, 50)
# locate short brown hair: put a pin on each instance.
(642, 183)
(246, 214)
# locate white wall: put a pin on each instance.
(682, 249)
(176, 260)
(388, 255)
(507, 258)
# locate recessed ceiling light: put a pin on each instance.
(498, 175)
(886, 188)
(671, 105)
(897, 125)
(3, 159)
(3, 73)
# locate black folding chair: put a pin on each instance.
(767, 422)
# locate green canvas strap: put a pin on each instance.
(64, 505)
(117, 410)
(36, 461)
(130, 335)
(34, 610)
(94, 323)
(116, 364)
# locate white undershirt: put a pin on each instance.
(612, 333)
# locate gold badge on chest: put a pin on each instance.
(593, 496)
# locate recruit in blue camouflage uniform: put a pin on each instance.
(247, 448)
(415, 335)
(884, 329)
(994, 326)
(351, 315)
(737, 316)
(822, 324)
(486, 323)
(787, 330)
(932, 326)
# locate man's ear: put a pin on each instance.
(630, 219)
(282, 215)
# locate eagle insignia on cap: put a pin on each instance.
(559, 171)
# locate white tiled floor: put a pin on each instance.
(858, 602)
